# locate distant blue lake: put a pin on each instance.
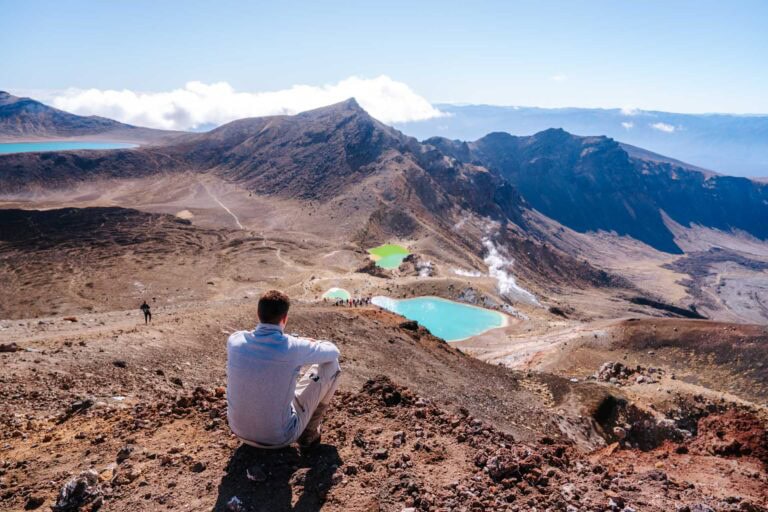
(452, 321)
(34, 147)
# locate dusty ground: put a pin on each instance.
(139, 405)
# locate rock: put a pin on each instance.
(9, 347)
(34, 502)
(107, 473)
(657, 475)
(79, 491)
(220, 391)
(197, 467)
(299, 477)
(124, 453)
(616, 503)
(79, 406)
(256, 474)
(119, 363)
(409, 325)
(235, 504)
(70, 319)
(177, 381)
(126, 475)
(380, 454)
(398, 439)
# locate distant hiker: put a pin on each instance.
(266, 407)
(147, 313)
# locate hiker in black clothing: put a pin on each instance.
(147, 315)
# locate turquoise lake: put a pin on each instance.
(34, 147)
(452, 321)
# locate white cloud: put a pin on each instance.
(559, 78)
(199, 104)
(663, 127)
(628, 125)
(630, 111)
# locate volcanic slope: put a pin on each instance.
(149, 421)
(23, 119)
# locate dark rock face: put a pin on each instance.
(592, 183)
(21, 171)
(33, 230)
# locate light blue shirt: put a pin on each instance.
(262, 370)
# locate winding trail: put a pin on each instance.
(237, 221)
(277, 252)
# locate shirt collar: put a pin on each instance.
(268, 329)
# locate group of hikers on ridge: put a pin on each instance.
(365, 301)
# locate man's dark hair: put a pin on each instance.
(273, 306)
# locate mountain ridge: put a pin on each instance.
(727, 143)
(24, 118)
(592, 183)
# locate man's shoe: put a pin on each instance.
(309, 440)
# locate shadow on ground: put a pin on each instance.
(291, 481)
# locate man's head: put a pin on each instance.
(273, 308)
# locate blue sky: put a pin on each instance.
(683, 56)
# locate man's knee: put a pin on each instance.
(330, 370)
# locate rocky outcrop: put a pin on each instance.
(592, 183)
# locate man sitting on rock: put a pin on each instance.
(266, 407)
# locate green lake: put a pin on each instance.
(388, 256)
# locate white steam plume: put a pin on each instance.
(507, 284)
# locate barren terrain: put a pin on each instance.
(622, 380)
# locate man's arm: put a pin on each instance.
(316, 351)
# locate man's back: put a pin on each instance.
(262, 368)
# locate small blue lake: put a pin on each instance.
(60, 145)
(452, 321)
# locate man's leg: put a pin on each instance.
(313, 394)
